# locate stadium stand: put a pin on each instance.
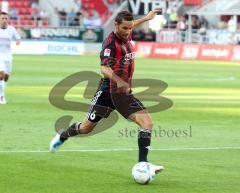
(104, 8)
(26, 13)
(185, 20)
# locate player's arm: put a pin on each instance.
(108, 72)
(18, 41)
(148, 17)
(17, 37)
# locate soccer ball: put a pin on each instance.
(141, 173)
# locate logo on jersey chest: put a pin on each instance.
(129, 56)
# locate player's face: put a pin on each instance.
(124, 29)
(3, 21)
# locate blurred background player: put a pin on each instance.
(7, 35)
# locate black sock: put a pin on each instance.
(73, 130)
(144, 141)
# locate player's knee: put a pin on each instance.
(6, 77)
(1, 76)
(147, 124)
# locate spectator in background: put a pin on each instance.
(203, 32)
(232, 25)
(144, 35)
(173, 18)
(71, 18)
(78, 18)
(119, 2)
(167, 14)
(203, 29)
(35, 12)
(43, 15)
(92, 20)
(79, 3)
(149, 35)
(138, 35)
(158, 23)
(162, 21)
(62, 15)
(182, 26)
(195, 23)
(13, 13)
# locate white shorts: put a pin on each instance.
(6, 66)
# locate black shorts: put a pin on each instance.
(104, 102)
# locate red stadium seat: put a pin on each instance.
(11, 4)
(192, 2)
(85, 5)
(45, 23)
(31, 23)
(27, 17)
(24, 17)
(89, 13)
(21, 17)
(111, 1)
(25, 4)
(23, 23)
(22, 11)
(18, 4)
(91, 6)
(13, 22)
(16, 23)
(29, 11)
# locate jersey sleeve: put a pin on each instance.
(16, 35)
(107, 54)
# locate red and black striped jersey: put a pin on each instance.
(119, 55)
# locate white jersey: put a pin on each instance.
(6, 37)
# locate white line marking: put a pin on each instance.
(119, 150)
(225, 78)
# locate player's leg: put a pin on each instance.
(2, 94)
(6, 77)
(143, 119)
(2, 83)
(75, 129)
(131, 108)
(83, 127)
(7, 71)
(98, 110)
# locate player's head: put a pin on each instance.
(3, 19)
(124, 24)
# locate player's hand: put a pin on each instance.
(18, 42)
(152, 14)
(123, 87)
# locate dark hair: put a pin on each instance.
(4, 13)
(124, 15)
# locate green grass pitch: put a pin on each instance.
(206, 99)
